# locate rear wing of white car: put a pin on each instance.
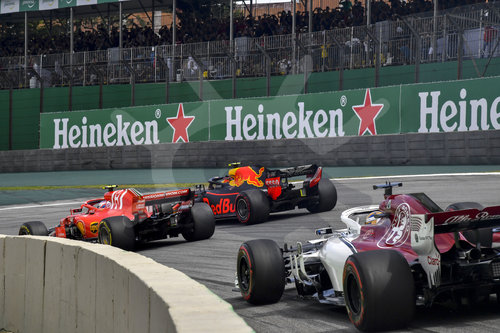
(425, 226)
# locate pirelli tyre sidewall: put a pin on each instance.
(33, 228)
(252, 206)
(260, 271)
(379, 290)
(327, 197)
(202, 224)
(117, 231)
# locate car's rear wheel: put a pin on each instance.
(327, 200)
(203, 223)
(252, 207)
(33, 228)
(379, 290)
(117, 231)
(483, 236)
(261, 271)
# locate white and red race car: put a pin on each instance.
(405, 252)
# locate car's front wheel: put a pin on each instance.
(379, 290)
(33, 228)
(117, 231)
(261, 271)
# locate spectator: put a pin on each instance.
(490, 35)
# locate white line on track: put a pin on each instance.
(43, 205)
(336, 179)
(423, 175)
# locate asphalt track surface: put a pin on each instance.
(213, 262)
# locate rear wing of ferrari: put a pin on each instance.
(168, 196)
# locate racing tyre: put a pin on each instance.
(252, 207)
(379, 290)
(33, 228)
(261, 271)
(327, 197)
(117, 231)
(203, 223)
(483, 236)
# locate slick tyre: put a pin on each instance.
(117, 231)
(33, 228)
(379, 290)
(203, 223)
(252, 207)
(261, 271)
(327, 197)
(483, 236)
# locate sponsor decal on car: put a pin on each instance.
(247, 175)
(224, 206)
(400, 228)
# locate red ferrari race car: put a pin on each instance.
(250, 193)
(405, 252)
(124, 217)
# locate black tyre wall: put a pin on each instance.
(34, 228)
(257, 205)
(203, 223)
(327, 197)
(386, 291)
(121, 231)
(261, 271)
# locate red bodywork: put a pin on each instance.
(393, 231)
(126, 202)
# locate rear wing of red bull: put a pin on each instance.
(301, 170)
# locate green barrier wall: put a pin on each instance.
(26, 102)
(465, 105)
(4, 119)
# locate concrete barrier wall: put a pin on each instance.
(53, 285)
(457, 148)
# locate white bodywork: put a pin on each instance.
(333, 251)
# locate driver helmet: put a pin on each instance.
(374, 217)
(102, 204)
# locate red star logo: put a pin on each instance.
(180, 125)
(367, 114)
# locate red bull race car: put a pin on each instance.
(391, 257)
(250, 193)
(124, 217)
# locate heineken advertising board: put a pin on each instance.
(14, 6)
(123, 127)
(468, 105)
(356, 112)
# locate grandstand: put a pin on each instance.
(146, 56)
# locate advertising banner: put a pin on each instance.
(467, 105)
(355, 112)
(143, 125)
(14, 6)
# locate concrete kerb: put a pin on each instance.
(72, 286)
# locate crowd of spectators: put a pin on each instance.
(193, 29)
